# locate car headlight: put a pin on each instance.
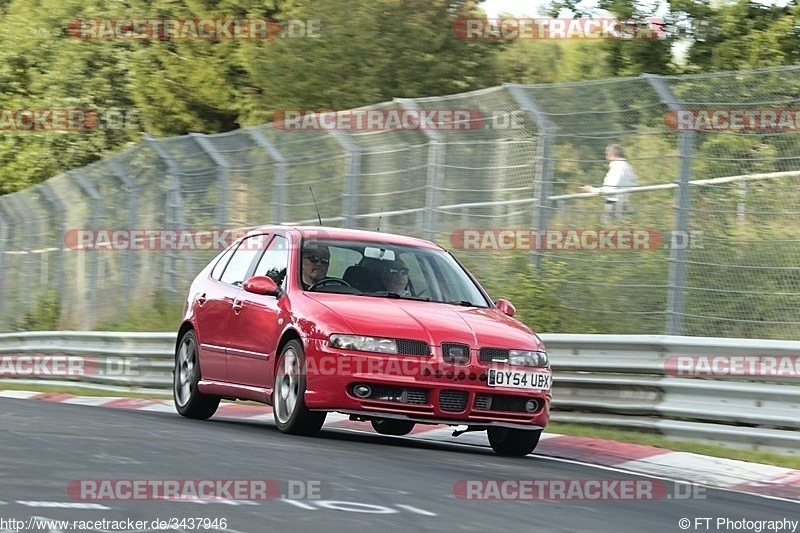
(524, 358)
(363, 343)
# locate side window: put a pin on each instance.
(221, 264)
(274, 261)
(243, 257)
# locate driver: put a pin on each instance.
(315, 264)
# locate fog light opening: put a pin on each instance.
(362, 391)
(531, 406)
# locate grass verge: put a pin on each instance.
(82, 391)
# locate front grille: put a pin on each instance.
(455, 353)
(412, 347)
(499, 402)
(387, 393)
(487, 355)
(453, 401)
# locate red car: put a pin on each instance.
(385, 328)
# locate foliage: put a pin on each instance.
(371, 52)
(44, 316)
(163, 313)
(532, 290)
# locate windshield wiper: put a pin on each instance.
(386, 294)
(465, 303)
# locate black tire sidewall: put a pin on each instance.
(393, 427)
(513, 442)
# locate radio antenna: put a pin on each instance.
(315, 204)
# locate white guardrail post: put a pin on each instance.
(606, 380)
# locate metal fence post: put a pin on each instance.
(223, 181)
(280, 171)
(434, 177)
(352, 175)
(544, 163)
(677, 264)
(174, 213)
(5, 222)
(26, 284)
(92, 282)
(133, 218)
(58, 221)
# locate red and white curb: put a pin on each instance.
(731, 474)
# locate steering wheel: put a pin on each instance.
(328, 281)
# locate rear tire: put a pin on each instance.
(288, 405)
(189, 401)
(391, 426)
(513, 442)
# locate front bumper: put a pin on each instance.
(420, 389)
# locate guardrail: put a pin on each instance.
(604, 380)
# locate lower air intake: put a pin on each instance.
(453, 401)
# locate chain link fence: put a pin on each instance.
(724, 200)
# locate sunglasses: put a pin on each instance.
(317, 260)
(403, 271)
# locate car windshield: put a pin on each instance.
(377, 269)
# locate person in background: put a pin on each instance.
(395, 277)
(620, 175)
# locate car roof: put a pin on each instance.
(323, 232)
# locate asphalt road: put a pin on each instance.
(356, 481)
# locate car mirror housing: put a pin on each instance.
(506, 307)
(261, 285)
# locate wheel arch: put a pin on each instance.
(186, 326)
(288, 335)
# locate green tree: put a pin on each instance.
(41, 68)
(371, 52)
(739, 34)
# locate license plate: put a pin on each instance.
(519, 379)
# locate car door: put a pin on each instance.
(256, 325)
(220, 301)
(211, 304)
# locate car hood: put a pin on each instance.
(432, 322)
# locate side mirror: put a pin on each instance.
(505, 307)
(261, 285)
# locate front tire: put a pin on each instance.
(189, 401)
(288, 404)
(391, 426)
(513, 442)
